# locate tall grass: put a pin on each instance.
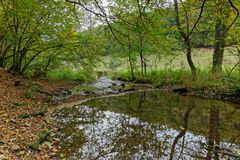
(180, 77)
(69, 74)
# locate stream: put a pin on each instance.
(150, 125)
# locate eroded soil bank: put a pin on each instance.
(25, 130)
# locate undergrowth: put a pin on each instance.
(205, 79)
(69, 74)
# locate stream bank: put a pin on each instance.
(24, 108)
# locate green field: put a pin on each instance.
(202, 58)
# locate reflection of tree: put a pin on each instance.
(137, 139)
(73, 138)
(138, 105)
(182, 133)
(214, 135)
(141, 125)
(141, 101)
(135, 135)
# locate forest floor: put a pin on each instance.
(22, 116)
(25, 130)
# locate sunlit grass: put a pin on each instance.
(202, 58)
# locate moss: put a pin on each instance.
(42, 137)
(82, 88)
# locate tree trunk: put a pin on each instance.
(17, 66)
(130, 59)
(186, 36)
(189, 59)
(142, 61)
(218, 47)
(145, 67)
(3, 56)
(131, 66)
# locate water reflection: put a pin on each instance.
(149, 125)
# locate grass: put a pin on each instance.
(70, 74)
(202, 58)
(168, 71)
(180, 77)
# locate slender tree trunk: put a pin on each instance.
(189, 59)
(183, 132)
(130, 59)
(186, 35)
(131, 66)
(145, 67)
(142, 61)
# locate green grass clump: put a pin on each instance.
(69, 74)
(163, 77)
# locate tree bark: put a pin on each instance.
(218, 47)
(189, 59)
(221, 30)
(186, 36)
(17, 62)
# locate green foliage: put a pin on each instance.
(31, 28)
(47, 35)
(69, 74)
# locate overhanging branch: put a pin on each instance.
(235, 19)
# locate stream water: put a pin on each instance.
(150, 125)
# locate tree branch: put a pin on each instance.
(87, 9)
(178, 22)
(235, 19)
(199, 17)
